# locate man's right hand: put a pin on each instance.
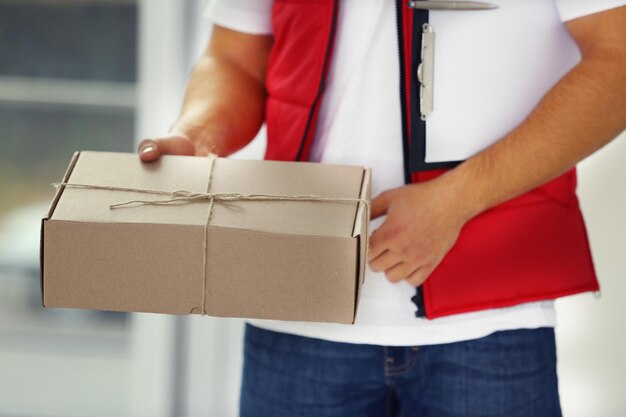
(223, 107)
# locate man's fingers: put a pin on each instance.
(380, 204)
(377, 243)
(149, 150)
(400, 271)
(176, 145)
(152, 149)
(385, 261)
(417, 277)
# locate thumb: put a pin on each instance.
(381, 204)
(173, 144)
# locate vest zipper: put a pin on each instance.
(320, 89)
(418, 298)
(403, 109)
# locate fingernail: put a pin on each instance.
(147, 149)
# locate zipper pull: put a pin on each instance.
(426, 71)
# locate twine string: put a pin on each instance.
(205, 254)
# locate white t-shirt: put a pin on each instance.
(359, 123)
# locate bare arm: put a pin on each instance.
(584, 111)
(223, 107)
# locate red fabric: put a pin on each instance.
(533, 247)
(530, 248)
(302, 32)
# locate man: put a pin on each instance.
(473, 171)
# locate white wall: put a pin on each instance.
(591, 333)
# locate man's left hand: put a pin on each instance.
(423, 223)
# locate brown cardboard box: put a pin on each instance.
(285, 260)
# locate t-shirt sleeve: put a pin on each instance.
(248, 16)
(572, 9)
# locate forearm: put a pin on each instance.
(223, 107)
(585, 110)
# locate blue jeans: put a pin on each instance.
(508, 373)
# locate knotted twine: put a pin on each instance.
(180, 197)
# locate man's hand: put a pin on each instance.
(187, 141)
(224, 102)
(423, 223)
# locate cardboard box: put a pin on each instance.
(274, 259)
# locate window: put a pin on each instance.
(67, 82)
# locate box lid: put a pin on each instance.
(172, 173)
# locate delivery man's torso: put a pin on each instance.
(360, 122)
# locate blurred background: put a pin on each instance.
(100, 75)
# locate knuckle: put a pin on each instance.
(384, 195)
(415, 281)
(390, 235)
(380, 241)
(382, 233)
(373, 252)
(417, 257)
(375, 266)
(419, 276)
(394, 276)
(407, 251)
(421, 251)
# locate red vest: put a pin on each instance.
(533, 247)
